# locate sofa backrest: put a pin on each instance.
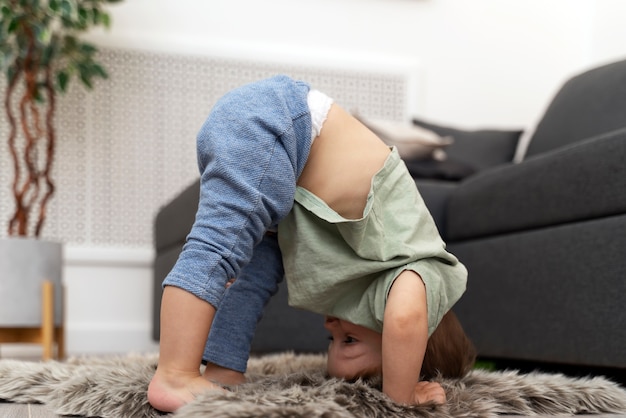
(587, 105)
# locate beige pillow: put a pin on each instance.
(413, 142)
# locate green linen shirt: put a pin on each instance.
(346, 267)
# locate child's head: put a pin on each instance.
(356, 351)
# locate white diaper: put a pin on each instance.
(319, 105)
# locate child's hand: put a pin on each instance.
(429, 392)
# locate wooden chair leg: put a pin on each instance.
(59, 335)
(47, 320)
(48, 335)
(60, 339)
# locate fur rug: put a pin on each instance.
(288, 385)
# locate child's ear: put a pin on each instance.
(449, 351)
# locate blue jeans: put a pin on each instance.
(242, 305)
(251, 150)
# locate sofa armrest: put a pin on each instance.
(436, 194)
(583, 181)
(174, 220)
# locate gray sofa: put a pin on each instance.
(544, 240)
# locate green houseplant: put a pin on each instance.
(40, 54)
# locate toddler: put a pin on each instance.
(292, 185)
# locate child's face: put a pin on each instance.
(354, 350)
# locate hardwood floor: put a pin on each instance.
(11, 410)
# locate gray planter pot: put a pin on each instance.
(25, 263)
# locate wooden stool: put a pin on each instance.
(46, 335)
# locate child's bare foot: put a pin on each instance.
(169, 392)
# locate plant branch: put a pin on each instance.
(49, 151)
(29, 190)
(40, 52)
(19, 214)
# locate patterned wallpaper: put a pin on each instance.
(128, 146)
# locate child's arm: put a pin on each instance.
(405, 335)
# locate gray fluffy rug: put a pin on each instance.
(288, 385)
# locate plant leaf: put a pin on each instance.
(67, 9)
(11, 72)
(62, 79)
(85, 75)
(100, 71)
(13, 24)
(87, 49)
(53, 5)
(6, 11)
(106, 20)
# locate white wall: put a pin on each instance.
(482, 62)
(609, 31)
(486, 61)
(109, 300)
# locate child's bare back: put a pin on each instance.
(341, 164)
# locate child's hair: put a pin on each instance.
(449, 351)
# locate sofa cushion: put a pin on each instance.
(580, 182)
(587, 105)
(554, 294)
(448, 169)
(412, 142)
(436, 194)
(283, 328)
(480, 149)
